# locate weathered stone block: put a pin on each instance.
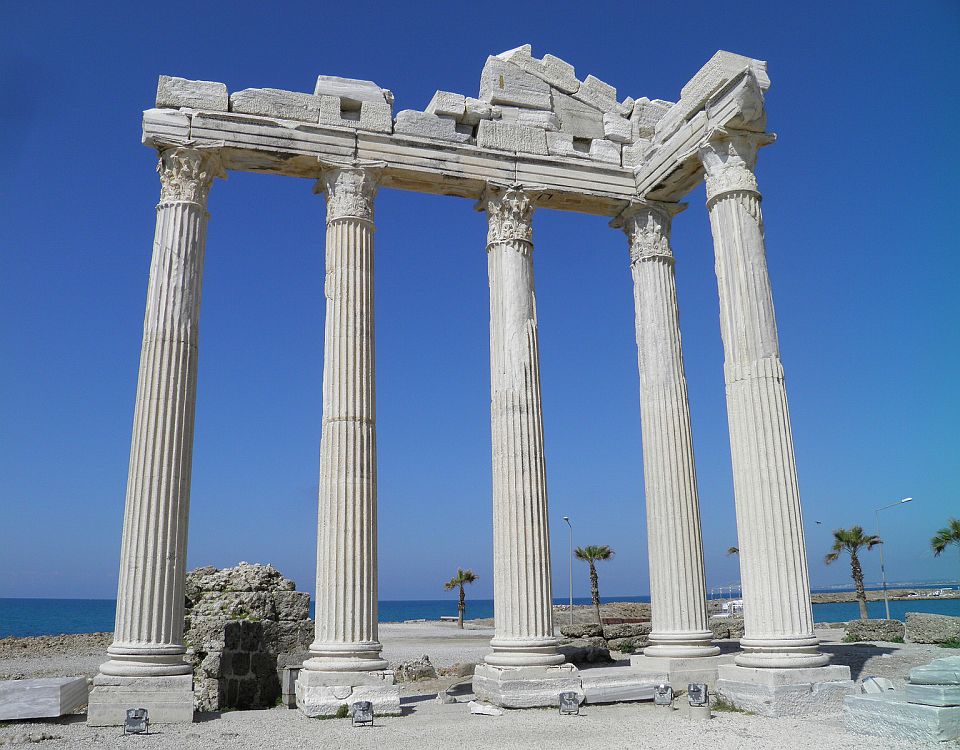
(502, 82)
(558, 73)
(597, 94)
(424, 125)
(577, 118)
(934, 695)
(286, 637)
(251, 635)
(169, 700)
(945, 671)
(375, 116)
(351, 90)
(292, 605)
(892, 717)
(323, 693)
(418, 669)
(41, 698)
(616, 128)
(926, 628)
(726, 627)
(582, 631)
(504, 136)
(564, 144)
(447, 104)
(786, 692)
(476, 110)
(532, 118)
(875, 630)
(287, 105)
(239, 663)
(632, 154)
(616, 685)
(525, 687)
(603, 150)
(626, 630)
(181, 92)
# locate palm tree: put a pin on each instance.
(852, 540)
(462, 577)
(733, 551)
(949, 534)
(591, 555)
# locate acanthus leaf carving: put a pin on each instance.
(647, 226)
(510, 215)
(350, 192)
(186, 174)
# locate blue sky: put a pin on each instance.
(860, 208)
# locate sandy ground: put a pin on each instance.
(426, 724)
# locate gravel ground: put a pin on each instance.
(426, 724)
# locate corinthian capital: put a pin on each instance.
(729, 158)
(647, 226)
(186, 174)
(509, 214)
(350, 191)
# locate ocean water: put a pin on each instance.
(26, 617)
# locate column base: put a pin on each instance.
(524, 652)
(135, 660)
(363, 656)
(168, 700)
(781, 653)
(324, 693)
(786, 692)
(682, 645)
(525, 687)
(681, 671)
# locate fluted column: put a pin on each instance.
(677, 588)
(346, 598)
(148, 638)
(523, 610)
(773, 561)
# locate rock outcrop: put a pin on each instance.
(926, 628)
(890, 631)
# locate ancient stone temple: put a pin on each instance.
(536, 136)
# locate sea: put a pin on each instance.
(31, 617)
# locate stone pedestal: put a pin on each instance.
(148, 637)
(893, 717)
(786, 692)
(680, 672)
(40, 698)
(525, 687)
(324, 693)
(523, 611)
(773, 560)
(677, 586)
(169, 700)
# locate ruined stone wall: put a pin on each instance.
(243, 626)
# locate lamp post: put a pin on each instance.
(883, 570)
(567, 519)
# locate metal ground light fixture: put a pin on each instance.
(569, 703)
(663, 696)
(698, 697)
(362, 714)
(137, 721)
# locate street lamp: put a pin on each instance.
(883, 571)
(567, 519)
